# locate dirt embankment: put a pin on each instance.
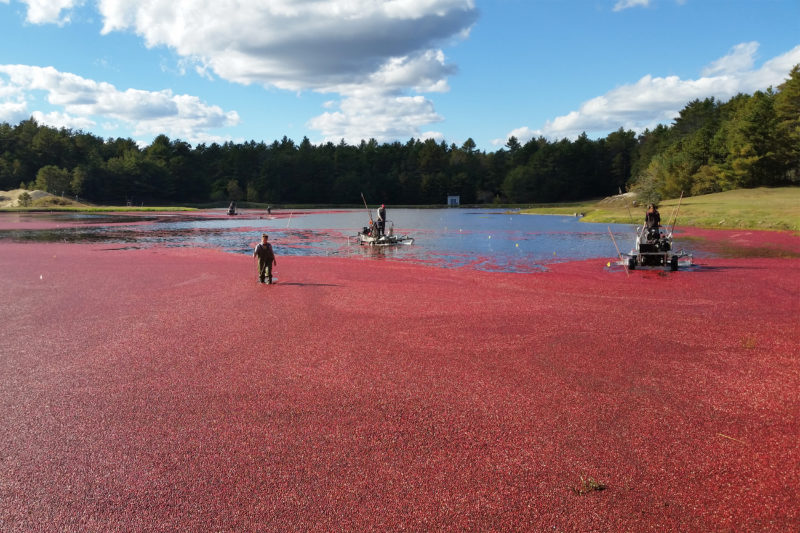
(626, 199)
(11, 198)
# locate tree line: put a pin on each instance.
(748, 141)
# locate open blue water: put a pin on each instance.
(485, 239)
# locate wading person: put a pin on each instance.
(381, 220)
(266, 259)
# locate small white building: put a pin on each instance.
(453, 201)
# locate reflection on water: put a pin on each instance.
(483, 239)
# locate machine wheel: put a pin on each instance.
(673, 263)
(631, 263)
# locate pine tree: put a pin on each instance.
(787, 117)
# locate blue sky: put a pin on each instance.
(236, 70)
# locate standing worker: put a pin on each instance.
(266, 259)
(381, 220)
(652, 220)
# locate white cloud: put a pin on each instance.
(12, 103)
(523, 134)
(13, 111)
(49, 11)
(376, 115)
(739, 59)
(389, 49)
(425, 72)
(625, 4)
(57, 119)
(380, 109)
(81, 101)
(656, 100)
(288, 43)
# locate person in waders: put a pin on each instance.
(266, 259)
(381, 221)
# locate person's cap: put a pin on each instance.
(382, 205)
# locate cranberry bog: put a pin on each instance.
(164, 389)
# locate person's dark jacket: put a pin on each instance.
(265, 253)
(652, 220)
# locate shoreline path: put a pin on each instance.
(164, 389)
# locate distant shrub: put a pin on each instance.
(49, 201)
(24, 199)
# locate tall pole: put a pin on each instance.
(674, 220)
(624, 264)
(367, 208)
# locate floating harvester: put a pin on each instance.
(653, 248)
(369, 235)
(373, 236)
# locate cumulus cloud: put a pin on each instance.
(374, 115)
(380, 109)
(80, 101)
(657, 100)
(12, 103)
(13, 111)
(387, 49)
(49, 11)
(287, 43)
(58, 119)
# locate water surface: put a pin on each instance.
(484, 239)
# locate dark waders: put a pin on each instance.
(265, 258)
(264, 270)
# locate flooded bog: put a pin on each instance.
(483, 239)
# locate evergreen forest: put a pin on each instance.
(751, 140)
